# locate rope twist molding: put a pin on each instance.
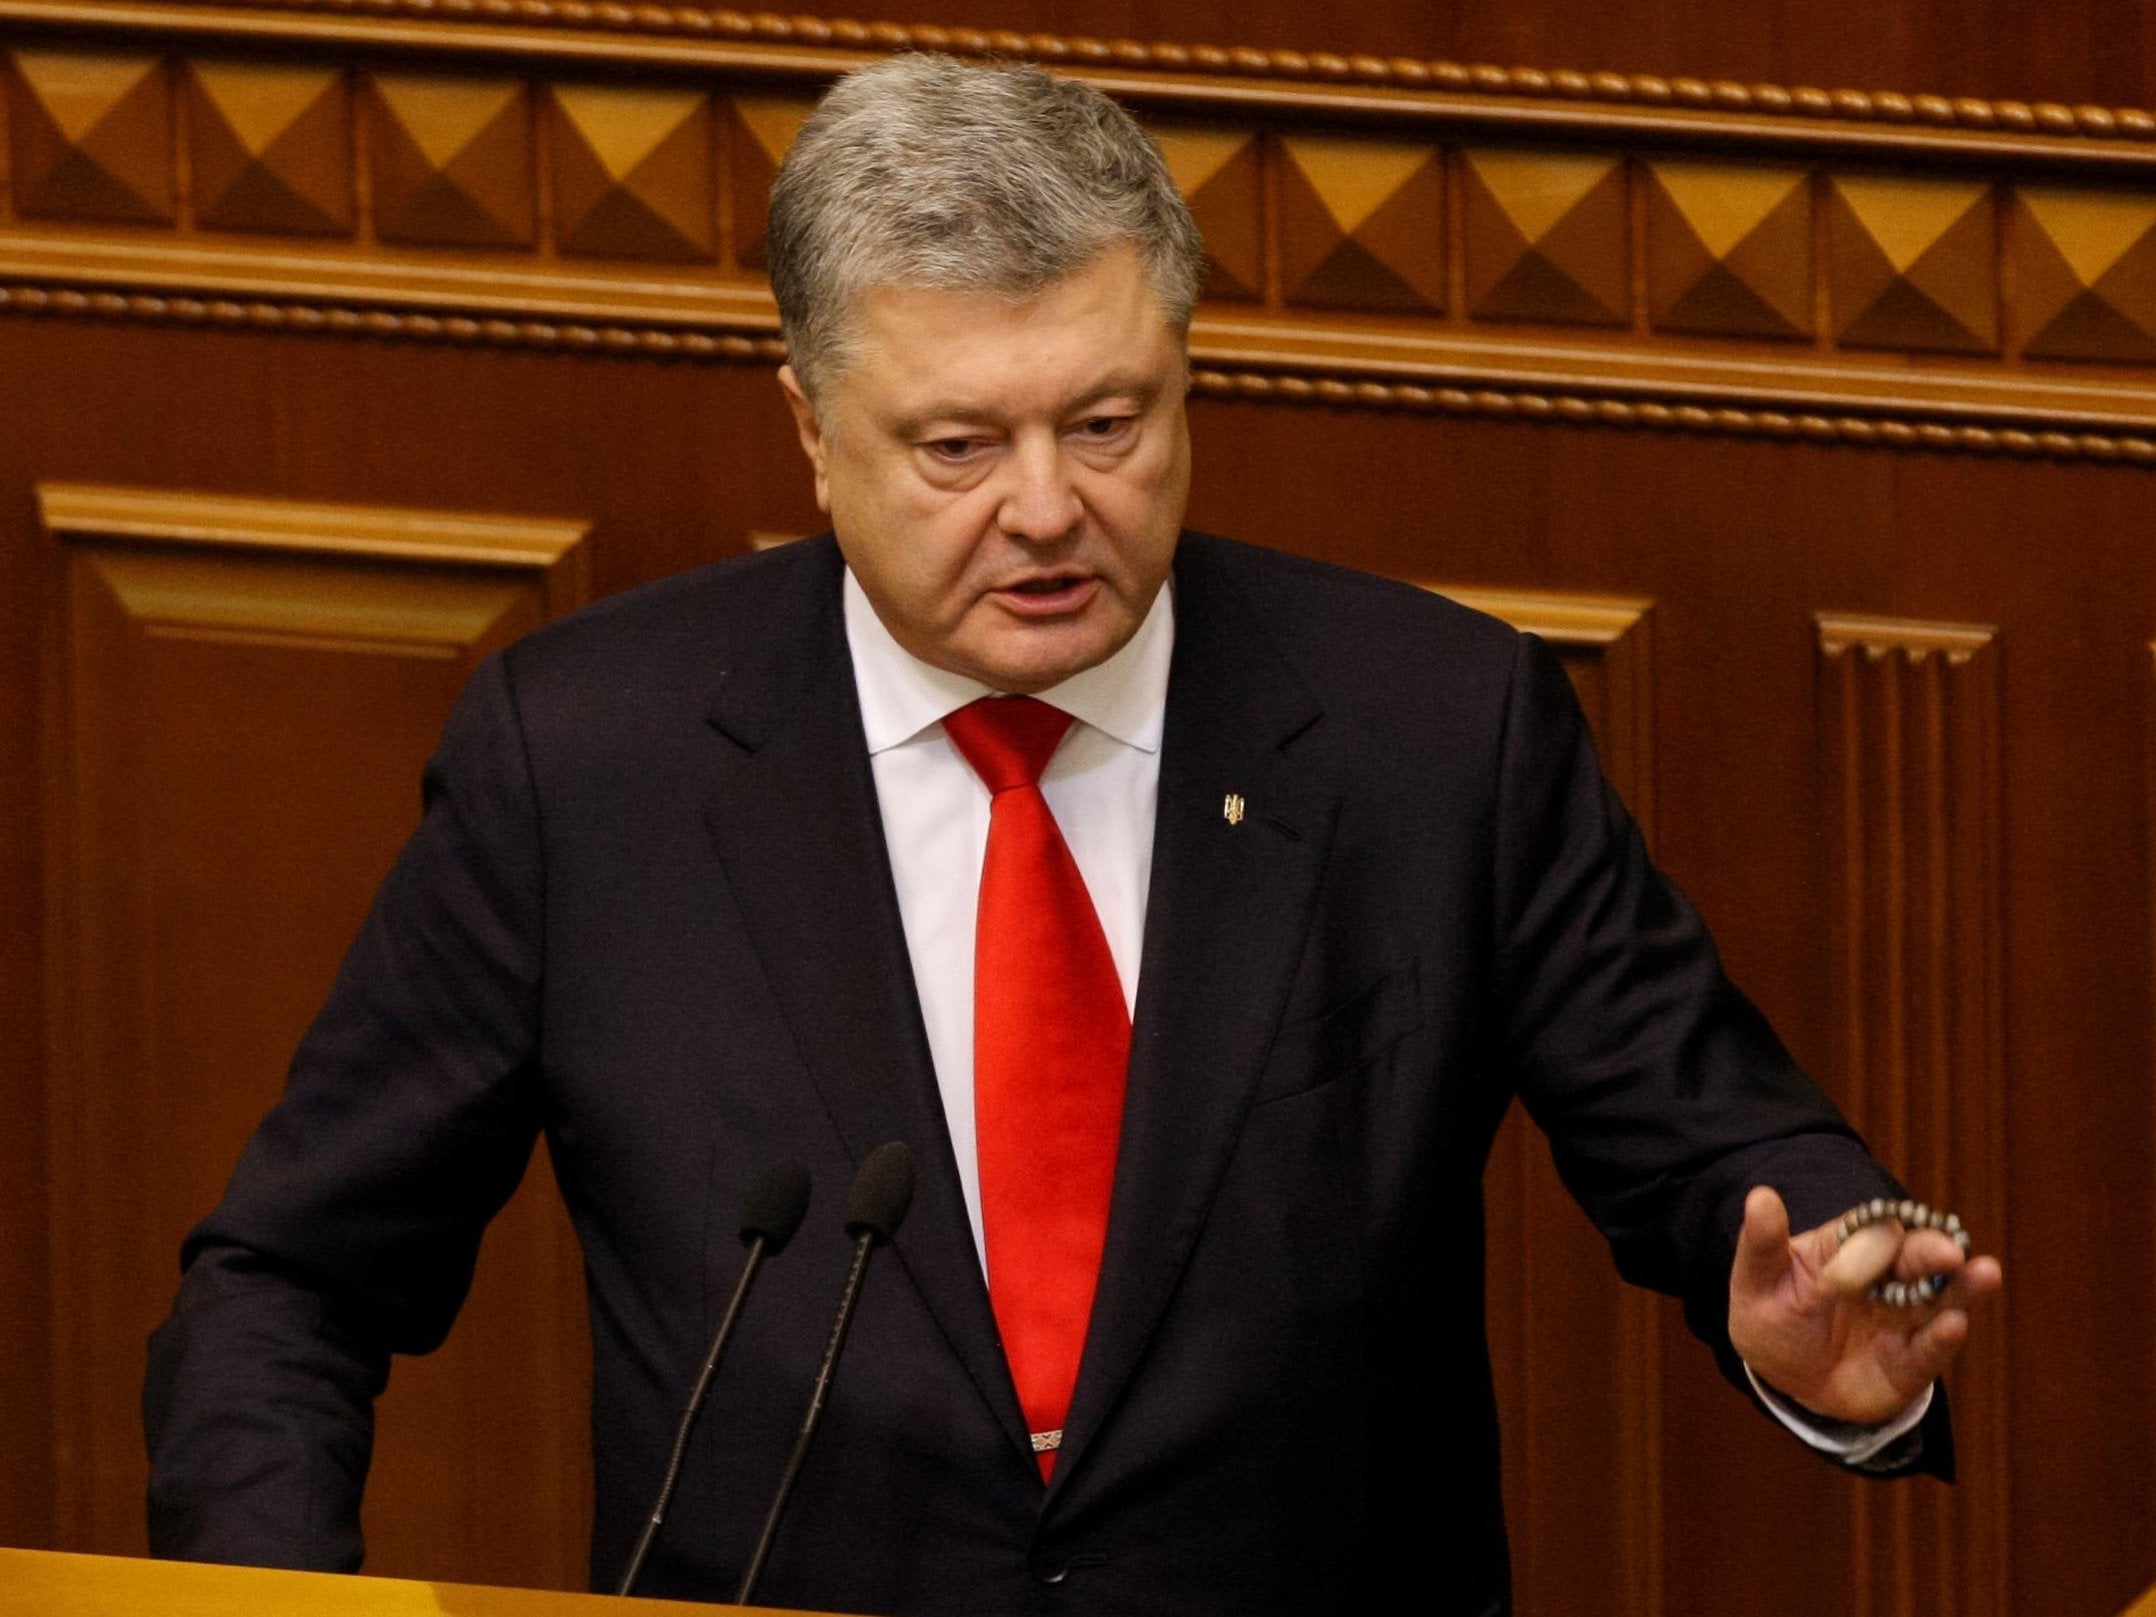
(1318, 66)
(659, 342)
(1891, 432)
(655, 341)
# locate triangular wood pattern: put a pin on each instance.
(752, 173)
(479, 196)
(1354, 277)
(621, 224)
(1576, 273)
(2064, 316)
(1221, 170)
(1407, 236)
(2093, 327)
(298, 182)
(663, 207)
(1946, 300)
(755, 125)
(1721, 303)
(2044, 283)
(119, 170)
(1760, 287)
(1393, 259)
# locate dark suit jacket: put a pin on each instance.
(649, 914)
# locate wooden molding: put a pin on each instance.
(1880, 638)
(1902, 432)
(2031, 425)
(73, 511)
(1948, 298)
(1554, 97)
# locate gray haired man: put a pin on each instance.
(706, 879)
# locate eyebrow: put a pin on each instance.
(1122, 384)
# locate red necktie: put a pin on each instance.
(1051, 1041)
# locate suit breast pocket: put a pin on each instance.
(1344, 1037)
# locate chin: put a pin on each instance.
(1028, 681)
(1030, 670)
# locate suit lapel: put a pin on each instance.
(794, 819)
(1229, 906)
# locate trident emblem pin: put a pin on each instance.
(1231, 810)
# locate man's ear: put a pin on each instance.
(810, 431)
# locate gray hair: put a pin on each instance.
(924, 172)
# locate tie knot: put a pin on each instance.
(1007, 739)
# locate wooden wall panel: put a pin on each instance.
(2101, 51)
(1809, 370)
(243, 693)
(1655, 253)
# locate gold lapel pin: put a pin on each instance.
(1231, 810)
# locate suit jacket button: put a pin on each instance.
(1047, 1566)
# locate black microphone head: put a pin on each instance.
(775, 1206)
(881, 1191)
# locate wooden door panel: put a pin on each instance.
(245, 693)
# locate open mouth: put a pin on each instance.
(1046, 586)
(1058, 595)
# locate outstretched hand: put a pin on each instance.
(1801, 1317)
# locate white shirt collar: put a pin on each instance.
(1125, 697)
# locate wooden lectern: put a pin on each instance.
(45, 1583)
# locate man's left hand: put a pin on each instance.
(1801, 1316)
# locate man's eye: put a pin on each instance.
(952, 448)
(1103, 427)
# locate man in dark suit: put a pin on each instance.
(695, 891)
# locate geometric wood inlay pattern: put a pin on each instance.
(633, 172)
(1362, 223)
(248, 689)
(1910, 727)
(271, 147)
(452, 160)
(1546, 237)
(92, 137)
(1728, 249)
(762, 131)
(1576, 1354)
(1305, 208)
(2085, 273)
(1218, 168)
(1913, 263)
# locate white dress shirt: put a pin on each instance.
(1102, 786)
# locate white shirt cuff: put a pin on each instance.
(1848, 1441)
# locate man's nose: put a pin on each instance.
(1040, 500)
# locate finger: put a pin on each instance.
(1863, 1260)
(1928, 1252)
(1762, 1244)
(1972, 1283)
(1934, 1347)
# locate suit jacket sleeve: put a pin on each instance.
(1665, 1094)
(352, 1222)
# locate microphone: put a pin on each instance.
(770, 1213)
(876, 1205)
